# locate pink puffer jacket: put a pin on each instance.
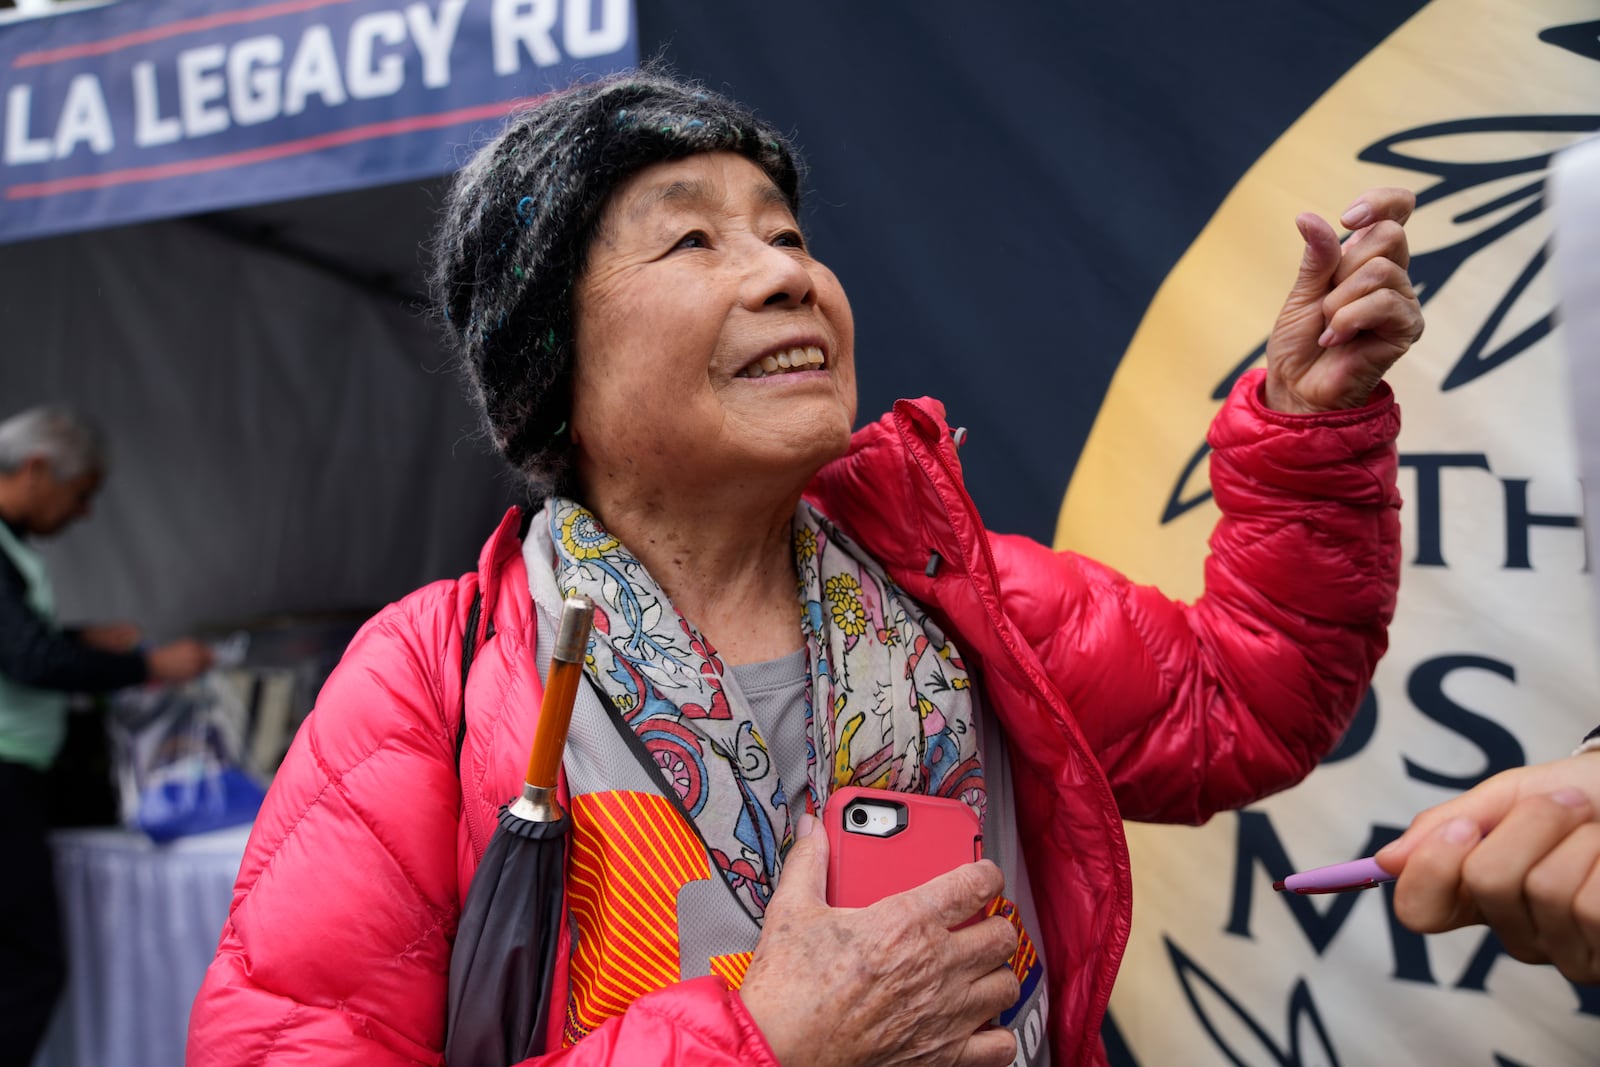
(1117, 702)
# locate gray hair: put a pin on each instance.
(69, 442)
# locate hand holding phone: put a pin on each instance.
(905, 972)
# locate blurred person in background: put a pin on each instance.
(51, 465)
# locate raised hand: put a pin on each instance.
(1352, 311)
(889, 984)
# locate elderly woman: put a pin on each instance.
(783, 609)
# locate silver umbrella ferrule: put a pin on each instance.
(536, 804)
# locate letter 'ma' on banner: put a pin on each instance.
(145, 109)
(1493, 653)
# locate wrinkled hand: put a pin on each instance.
(1519, 853)
(889, 984)
(111, 636)
(179, 660)
(1352, 311)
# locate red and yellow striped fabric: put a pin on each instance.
(1026, 956)
(630, 856)
(732, 967)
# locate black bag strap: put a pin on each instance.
(470, 642)
(469, 648)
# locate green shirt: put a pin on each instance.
(33, 722)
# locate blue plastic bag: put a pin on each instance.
(179, 751)
(194, 803)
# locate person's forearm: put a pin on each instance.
(1268, 666)
(34, 653)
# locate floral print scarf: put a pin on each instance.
(888, 704)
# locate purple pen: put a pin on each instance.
(1357, 874)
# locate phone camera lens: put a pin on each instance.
(858, 816)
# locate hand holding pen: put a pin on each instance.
(1519, 853)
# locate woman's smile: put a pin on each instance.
(797, 360)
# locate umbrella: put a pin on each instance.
(504, 953)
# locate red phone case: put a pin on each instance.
(938, 834)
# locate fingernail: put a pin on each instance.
(804, 825)
(1326, 339)
(1570, 798)
(1357, 214)
(1459, 831)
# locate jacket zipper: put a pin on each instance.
(916, 445)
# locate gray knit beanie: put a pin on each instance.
(517, 225)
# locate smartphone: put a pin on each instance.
(881, 842)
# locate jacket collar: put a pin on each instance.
(500, 562)
(885, 491)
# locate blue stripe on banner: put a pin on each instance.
(141, 110)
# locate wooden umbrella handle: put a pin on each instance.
(560, 692)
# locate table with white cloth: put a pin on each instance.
(141, 923)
